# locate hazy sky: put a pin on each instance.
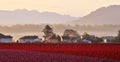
(72, 7)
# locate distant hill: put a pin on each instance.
(24, 16)
(104, 15)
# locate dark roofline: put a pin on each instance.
(29, 37)
(65, 37)
(2, 34)
(5, 36)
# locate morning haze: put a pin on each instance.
(29, 17)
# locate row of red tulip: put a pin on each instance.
(110, 50)
(26, 56)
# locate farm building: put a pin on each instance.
(84, 41)
(29, 39)
(66, 39)
(5, 38)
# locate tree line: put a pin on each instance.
(58, 28)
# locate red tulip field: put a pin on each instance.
(25, 56)
(60, 52)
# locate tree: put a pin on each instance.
(117, 39)
(97, 39)
(86, 36)
(47, 30)
(49, 36)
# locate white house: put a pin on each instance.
(5, 38)
(84, 41)
(29, 39)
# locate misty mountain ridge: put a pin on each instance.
(24, 16)
(104, 15)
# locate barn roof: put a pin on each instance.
(5, 36)
(29, 37)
